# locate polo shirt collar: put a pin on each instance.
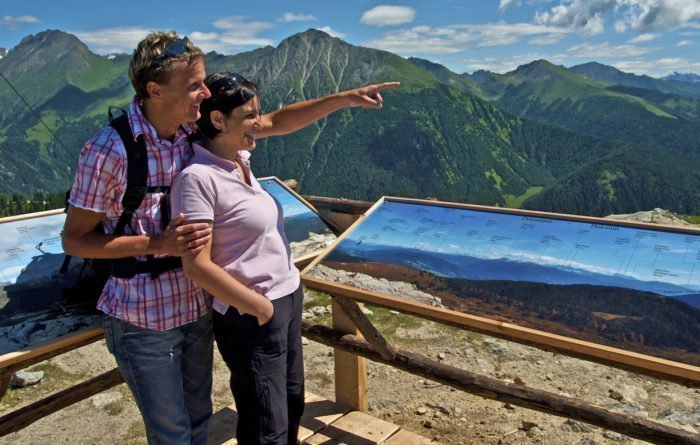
(204, 156)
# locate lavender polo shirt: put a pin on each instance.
(248, 240)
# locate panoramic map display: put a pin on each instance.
(37, 303)
(632, 288)
(305, 230)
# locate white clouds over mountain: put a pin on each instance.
(388, 15)
(591, 16)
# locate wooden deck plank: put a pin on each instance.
(324, 422)
(318, 414)
(355, 428)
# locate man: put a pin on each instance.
(158, 325)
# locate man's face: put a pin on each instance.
(184, 92)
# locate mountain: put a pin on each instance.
(434, 137)
(69, 87)
(682, 77)
(462, 81)
(613, 76)
(472, 268)
(430, 139)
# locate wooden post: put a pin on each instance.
(350, 369)
(5, 378)
(368, 330)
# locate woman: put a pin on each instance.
(247, 265)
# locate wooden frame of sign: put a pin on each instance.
(684, 373)
(304, 259)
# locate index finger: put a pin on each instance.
(387, 85)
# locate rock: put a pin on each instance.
(499, 348)
(576, 427)
(587, 441)
(101, 400)
(441, 356)
(468, 352)
(304, 341)
(658, 216)
(428, 424)
(319, 311)
(632, 393)
(672, 415)
(421, 410)
(394, 313)
(527, 425)
(380, 404)
(307, 315)
(367, 311)
(22, 379)
(519, 381)
(615, 437)
(534, 432)
(508, 406)
(549, 377)
(616, 395)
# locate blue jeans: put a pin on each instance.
(170, 376)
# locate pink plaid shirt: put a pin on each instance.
(171, 300)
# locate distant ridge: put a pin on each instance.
(540, 137)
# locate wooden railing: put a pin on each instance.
(355, 340)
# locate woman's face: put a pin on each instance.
(240, 125)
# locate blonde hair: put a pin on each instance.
(149, 64)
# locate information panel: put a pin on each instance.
(633, 287)
(305, 230)
(37, 303)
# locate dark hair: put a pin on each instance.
(228, 91)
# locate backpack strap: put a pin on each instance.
(136, 171)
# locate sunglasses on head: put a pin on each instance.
(231, 80)
(176, 48)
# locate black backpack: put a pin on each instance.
(136, 189)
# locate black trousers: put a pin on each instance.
(267, 371)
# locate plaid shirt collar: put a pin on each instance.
(141, 125)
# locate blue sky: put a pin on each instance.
(654, 37)
(645, 255)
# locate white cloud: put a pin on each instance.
(331, 32)
(684, 43)
(291, 17)
(388, 15)
(230, 35)
(661, 14)
(548, 39)
(584, 15)
(237, 33)
(14, 22)
(112, 40)
(642, 38)
(503, 4)
(604, 50)
(589, 16)
(459, 38)
(422, 40)
(658, 67)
